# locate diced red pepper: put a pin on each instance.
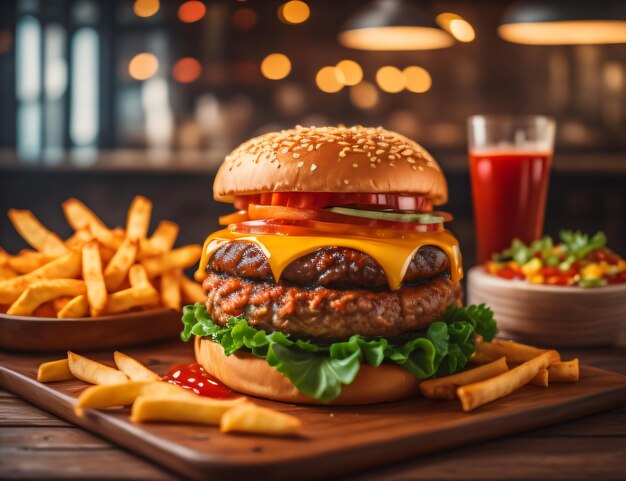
(508, 273)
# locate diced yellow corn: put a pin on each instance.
(621, 265)
(531, 267)
(536, 279)
(608, 269)
(593, 271)
(493, 267)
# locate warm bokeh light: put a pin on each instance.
(456, 26)
(294, 12)
(396, 38)
(143, 66)
(574, 32)
(417, 79)
(276, 66)
(352, 72)
(187, 70)
(330, 79)
(191, 11)
(244, 19)
(6, 41)
(364, 95)
(390, 79)
(146, 8)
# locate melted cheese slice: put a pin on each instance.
(393, 255)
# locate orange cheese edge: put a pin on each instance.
(393, 255)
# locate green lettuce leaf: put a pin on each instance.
(320, 372)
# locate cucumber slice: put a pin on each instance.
(421, 218)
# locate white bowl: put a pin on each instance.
(551, 315)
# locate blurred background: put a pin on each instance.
(102, 100)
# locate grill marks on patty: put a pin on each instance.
(336, 267)
(324, 313)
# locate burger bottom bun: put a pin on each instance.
(248, 374)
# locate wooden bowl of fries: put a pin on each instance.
(101, 287)
(551, 315)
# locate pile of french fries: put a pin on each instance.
(97, 271)
(503, 367)
(152, 399)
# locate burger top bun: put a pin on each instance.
(331, 159)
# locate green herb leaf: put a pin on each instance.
(579, 245)
(321, 371)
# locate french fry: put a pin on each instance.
(75, 308)
(4, 257)
(138, 220)
(482, 392)
(60, 302)
(54, 371)
(135, 370)
(170, 290)
(45, 310)
(33, 232)
(122, 301)
(7, 273)
(445, 387)
(542, 379)
(80, 237)
(94, 280)
(514, 352)
(168, 389)
(93, 372)
(137, 276)
(66, 267)
(191, 291)
(567, 371)
(117, 270)
(180, 258)
(43, 291)
(79, 216)
(109, 395)
(188, 409)
(27, 261)
(249, 418)
(161, 241)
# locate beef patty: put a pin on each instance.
(336, 267)
(328, 314)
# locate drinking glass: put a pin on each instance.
(510, 160)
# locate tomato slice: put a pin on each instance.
(273, 212)
(235, 217)
(319, 200)
(315, 228)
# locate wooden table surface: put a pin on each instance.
(38, 445)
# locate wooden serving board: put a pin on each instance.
(334, 440)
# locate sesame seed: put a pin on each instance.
(342, 154)
(420, 167)
(392, 164)
(295, 156)
(313, 167)
(317, 147)
(392, 157)
(346, 181)
(380, 151)
(411, 160)
(373, 166)
(300, 164)
(355, 165)
(284, 151)
(407, 152)
(414, 167)
(310, 148)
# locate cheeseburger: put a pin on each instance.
(335, 280)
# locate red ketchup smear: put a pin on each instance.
(194, 378)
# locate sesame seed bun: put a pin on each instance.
(251, 375)
(331, 159)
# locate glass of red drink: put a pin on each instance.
(510, 160)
